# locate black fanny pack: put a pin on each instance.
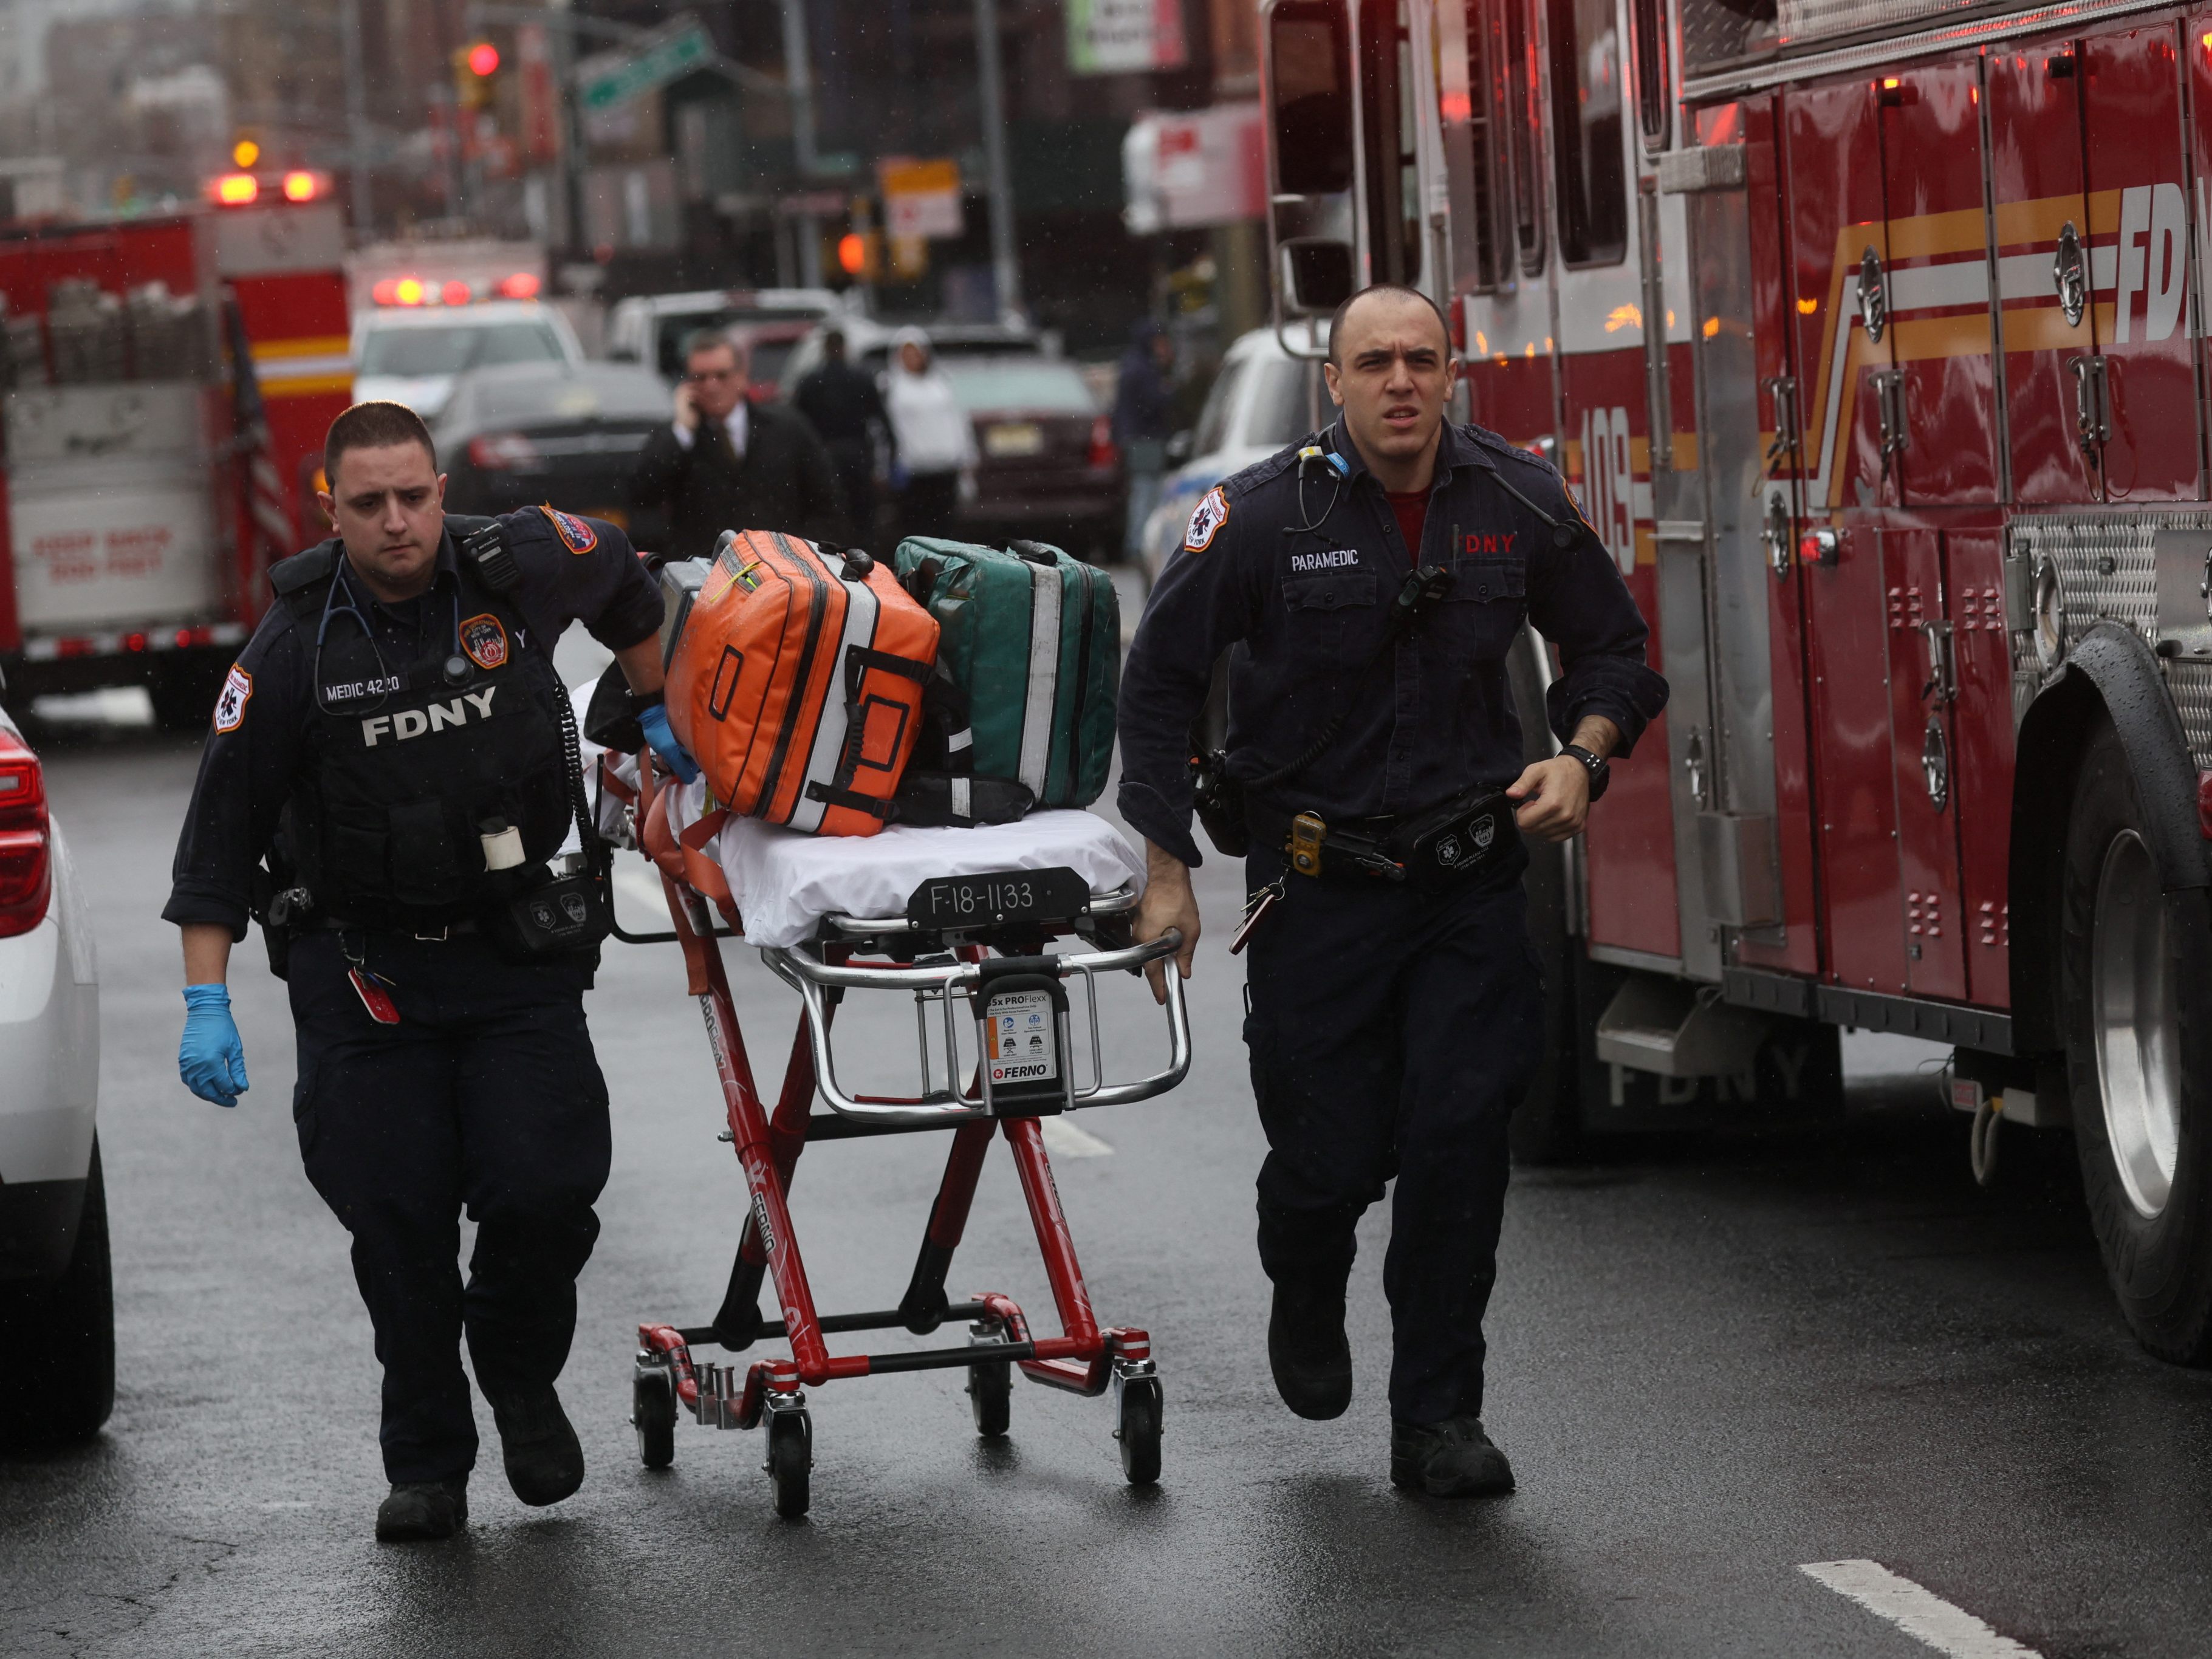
(571, 913)
(1464, 837)
(1470, 836)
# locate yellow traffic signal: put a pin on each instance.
(245, 153)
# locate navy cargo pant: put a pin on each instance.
(1392, 1034)
(486, 1094)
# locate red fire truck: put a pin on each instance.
(168, 384)
(1869, 335)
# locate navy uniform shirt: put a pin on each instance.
(1305, 608)
(253, 755)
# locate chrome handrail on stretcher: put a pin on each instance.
(811, 977)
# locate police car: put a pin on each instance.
(1262, 399)
(57, 1309)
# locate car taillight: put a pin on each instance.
(1102, 452)
(502, 452)
(27, 879)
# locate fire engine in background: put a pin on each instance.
(148, 486)
(1870, 336)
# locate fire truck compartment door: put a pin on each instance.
(1683, 660)
(112, 514)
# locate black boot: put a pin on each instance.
(544, 1460)
(1450, 1459)
(418, 1510)
(1308, 1351)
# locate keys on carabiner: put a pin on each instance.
(1255, 907)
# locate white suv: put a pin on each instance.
(57, 1308)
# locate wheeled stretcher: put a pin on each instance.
(960, 921)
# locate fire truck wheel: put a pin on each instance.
(58, 1384)
(2139, 1059)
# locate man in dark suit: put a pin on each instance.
(726, 463)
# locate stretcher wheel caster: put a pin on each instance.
(1137, 1413)
(790, 1458)
(653, 1413)
(991, 1390)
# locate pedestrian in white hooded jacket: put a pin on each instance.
(936, 440)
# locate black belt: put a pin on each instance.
(1457, 840)
(434, 932)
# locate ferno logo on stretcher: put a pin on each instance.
(1937, 282)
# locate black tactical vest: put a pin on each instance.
(411, 765)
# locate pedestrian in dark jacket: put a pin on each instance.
(726, 463)
(847, 408)
(1144, 404)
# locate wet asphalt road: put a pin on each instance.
(1713, 1362)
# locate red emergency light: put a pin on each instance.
(301, 186)
(522, 285)
(235, 189)
(456, 292)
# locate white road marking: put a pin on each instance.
(1919, 1613)
(1063, 1140)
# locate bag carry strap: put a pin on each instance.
(937, 800)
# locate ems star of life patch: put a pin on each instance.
(230, 707)
(1211, 513)
(485, 640)
(575, 535)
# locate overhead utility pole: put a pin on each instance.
(356, 110)
(799, 77)
(1005, 267)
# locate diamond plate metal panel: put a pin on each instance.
(2108, 572)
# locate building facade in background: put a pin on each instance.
(695, 173)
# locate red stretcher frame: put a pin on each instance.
(1086, 1359)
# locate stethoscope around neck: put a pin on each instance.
(456, 669)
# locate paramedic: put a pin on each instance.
(1372, 581)
(389, 738)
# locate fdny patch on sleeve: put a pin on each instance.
(485, 640)
(1206, 520)
(230, 707)
(575, 535)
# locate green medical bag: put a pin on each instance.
(1034, 638)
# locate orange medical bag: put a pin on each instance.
(796, 680)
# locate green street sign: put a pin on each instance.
(605, 84)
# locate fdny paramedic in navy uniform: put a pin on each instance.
(1395, 1005)
(390, 739)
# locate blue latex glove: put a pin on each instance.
(672, 753)
(211, 1060)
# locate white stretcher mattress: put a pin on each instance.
(783, 883)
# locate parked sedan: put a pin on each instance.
(566, 436)
(56, 1305)
(1047, 465)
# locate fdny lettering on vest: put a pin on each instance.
(414, 722)
(485, 640)
(575, 535)
(1205, 521)
(237, 692)
(1477, 543)
(1329, 561)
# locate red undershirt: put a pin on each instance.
(1412, 511)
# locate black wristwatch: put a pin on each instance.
(1600, 772)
